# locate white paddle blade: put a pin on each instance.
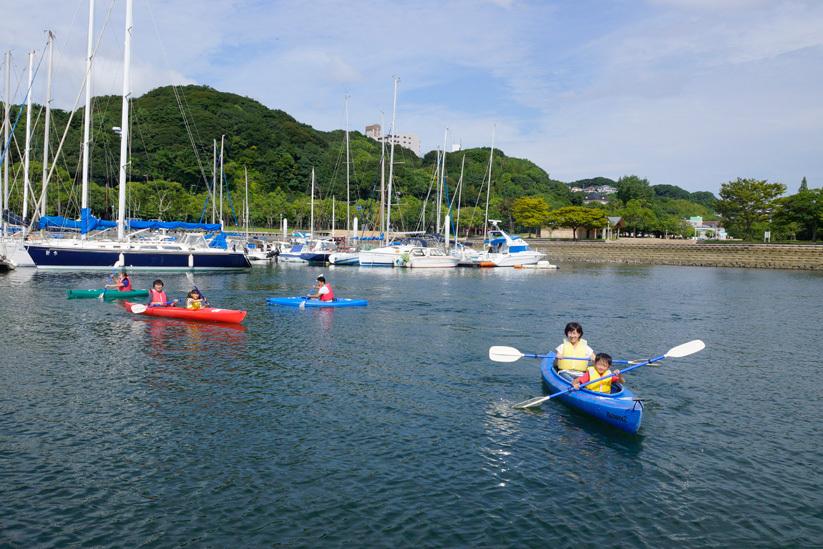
(138, 309)
(686, 349)
(531, 403)
(500, 353)
(302, 304)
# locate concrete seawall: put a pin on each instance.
(683, 252)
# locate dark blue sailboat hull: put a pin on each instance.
(53, 257)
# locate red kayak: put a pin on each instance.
(207, 314)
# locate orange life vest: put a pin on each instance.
(157, 298)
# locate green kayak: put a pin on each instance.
(105, 293)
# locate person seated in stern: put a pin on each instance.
(157, 296)
(600, 370)
(323, 291)
(574, 355)
(123, 283)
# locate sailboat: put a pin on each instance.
(191, 252)
(347, 254)
(387, 255)
(12, 250)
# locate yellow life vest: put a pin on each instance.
(604, 386)
(578, 351)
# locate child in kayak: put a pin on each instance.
(157, 296)
(323, 291)
(194, 300)
(574, 355)
(601, 369)
(123, 283)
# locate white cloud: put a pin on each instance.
(688, 92)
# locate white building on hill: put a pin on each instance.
(408, 140)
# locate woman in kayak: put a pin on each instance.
(574, 355)
(123, 283)
(602, 363)
(194, 300)
(157, 296)
(323, 291)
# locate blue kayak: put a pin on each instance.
(303, 302)
(621, 408)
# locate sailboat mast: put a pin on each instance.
(459, 200)
(441, 171)
(391, 160)
(382, 173)
(26, 154)
(332, 217)
(348, 161)
(489, 188)
(246, 212)
(311, 218)
(44, 184)
(84, 199)
(4, 191)
(124, 125)
(222, 139)
(213, 190)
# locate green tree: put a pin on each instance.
(670, 191)
(632, 187)
(597, 219)
(745, 202)
(575, 217)
(638, 216)
(530, 212)
(804, 210)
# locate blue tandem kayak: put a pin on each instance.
(621, 408)
(303, 302)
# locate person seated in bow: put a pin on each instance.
(195, 300)
(600, 370)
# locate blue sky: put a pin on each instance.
(685, 92)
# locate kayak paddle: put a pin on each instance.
(138, 308)
(680, 351)
(500, 353)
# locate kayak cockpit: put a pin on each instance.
(568, 375)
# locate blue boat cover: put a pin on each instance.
(88, 223)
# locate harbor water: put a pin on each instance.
(389, 426)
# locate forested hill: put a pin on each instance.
(173, 129)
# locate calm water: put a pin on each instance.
(389, 426)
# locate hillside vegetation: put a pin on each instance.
(172, 132)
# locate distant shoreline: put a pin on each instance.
(647, 251)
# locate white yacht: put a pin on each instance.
(428, 257)
(505, 250)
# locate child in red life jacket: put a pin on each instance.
(323, 291)
(602, 363)
(157, 297)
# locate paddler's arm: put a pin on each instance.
(578, 381)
